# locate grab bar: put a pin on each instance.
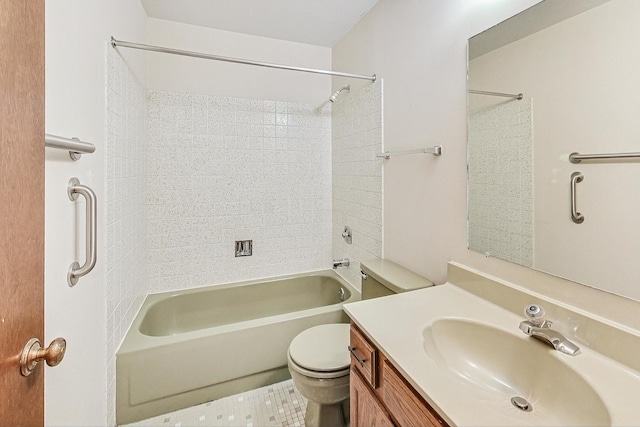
(76, 147)
(577, 157)
(75, 270)
(576, 216)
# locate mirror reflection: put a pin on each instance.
(577, 65)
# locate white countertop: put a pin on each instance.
(396, 325)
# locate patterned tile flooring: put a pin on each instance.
(279, 404)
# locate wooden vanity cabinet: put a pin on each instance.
(380, 396)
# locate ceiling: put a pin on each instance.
(536, 18)
(321, 23)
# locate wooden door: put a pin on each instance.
(21, 206)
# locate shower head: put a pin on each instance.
(333, 97)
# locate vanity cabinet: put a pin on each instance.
(380, 396)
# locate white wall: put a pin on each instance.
(183, 74)
(77, 34)
(553, 67)
(419, 48)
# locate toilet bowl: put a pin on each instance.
(319, 358)
(318, 361)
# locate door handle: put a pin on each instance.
(33, 353)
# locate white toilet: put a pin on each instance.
(319, 365)
(319, 359)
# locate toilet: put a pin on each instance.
(318, 358)
(319, 362)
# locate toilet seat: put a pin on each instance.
(321, 351)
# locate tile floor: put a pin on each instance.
(279, 404)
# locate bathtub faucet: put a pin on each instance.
(344, 262)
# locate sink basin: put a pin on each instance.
(499, 365)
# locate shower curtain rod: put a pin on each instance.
(119, 43)
(506, 95)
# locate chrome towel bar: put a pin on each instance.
(76, 147)
(75, 270)
(435, 150)
(576, 216)
(577, 157)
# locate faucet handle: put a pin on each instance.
(535, 314)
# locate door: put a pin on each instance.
(21, 206)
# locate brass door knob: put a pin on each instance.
(33, 353)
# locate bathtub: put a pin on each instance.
(188, 347)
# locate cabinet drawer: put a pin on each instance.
(363, 356)
(405, 405)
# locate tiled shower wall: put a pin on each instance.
(126, 282)
(501, 182)
(357, 177)
(222, 169)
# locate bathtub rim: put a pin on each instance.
(134, 340)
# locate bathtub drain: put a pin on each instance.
(521, 403)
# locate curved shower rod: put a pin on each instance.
(119, 43)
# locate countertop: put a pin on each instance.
(396, 325)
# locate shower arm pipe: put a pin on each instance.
(518, 96)
(119, 43)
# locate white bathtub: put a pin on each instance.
(193, 346)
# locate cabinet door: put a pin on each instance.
(366, 410)
(403, 402)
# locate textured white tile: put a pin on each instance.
(234, 179)
(280, 404)
(126, 240)
(501, 203)
(357, 177)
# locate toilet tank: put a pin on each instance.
(382, 277)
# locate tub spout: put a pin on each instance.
(344, 262)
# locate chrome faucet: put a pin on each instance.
(344, 262)
(536, 326)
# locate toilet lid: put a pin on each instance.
(322, 348)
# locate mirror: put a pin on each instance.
(577, 65)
